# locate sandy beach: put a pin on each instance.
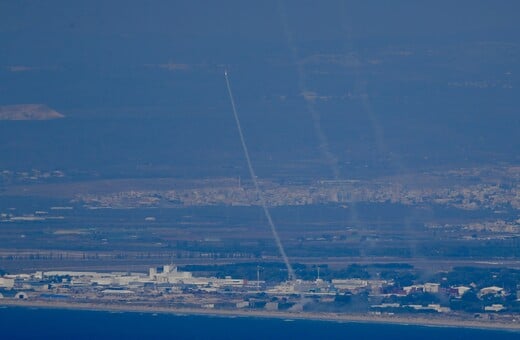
(420, 320)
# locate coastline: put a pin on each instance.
(328, 317)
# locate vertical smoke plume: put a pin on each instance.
(361, 87)
(279, 244)
(330, 159)
(328, 156)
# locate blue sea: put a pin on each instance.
(30, 323)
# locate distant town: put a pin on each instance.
(493, 189)
(468, 189)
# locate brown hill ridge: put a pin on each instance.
(28, 112)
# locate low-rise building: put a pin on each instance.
(494, 308)
(7, 283)
(459, 290)
(350, 285)
(494, 290)
(431, 287)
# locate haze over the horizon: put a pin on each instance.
(397, 85)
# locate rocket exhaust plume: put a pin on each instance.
(260, 194)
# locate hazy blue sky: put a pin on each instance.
(408, 80)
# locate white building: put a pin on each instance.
(432, 306)
(492, 290)
(494, 308)
(431, 288)
(350, 285)
(6, 282)
(168, 274)
(461, 290)
(413, 289)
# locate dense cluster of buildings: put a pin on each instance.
(167, 285)
(31, 176)
(470, 196)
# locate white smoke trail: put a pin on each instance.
(260, 194)
(330, 159)
(361, 87)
